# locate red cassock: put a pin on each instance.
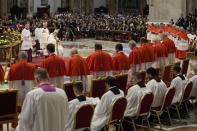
(55, 65)
(169, 45)
(135, 56)
(120, 61)
(77, 66)
(144, 53)
(161, 50)
(150, 52)
(2, 73)
(22, 70)
(99, 61)
(158, 50)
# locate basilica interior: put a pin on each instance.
(98, 65)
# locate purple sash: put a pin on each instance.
(47, 87)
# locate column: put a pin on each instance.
(164, 10)
(3, 8)
(112, 5)
(30, 8)
(63, 3)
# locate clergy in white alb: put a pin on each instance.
(135, 94)
(156, 86)
(43, 38)
(26, 37)
(193, 79)
(103, 110)
(78, 102)
(44, 108)
(27, 44)
(179, 83)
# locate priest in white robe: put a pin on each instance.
(27, 44)
(193, 79)
(53, 39)
(44, 108)
(135, 94)
(78, 102)
(179, 83)
(156, 86)
(43, 38)
(103, 110)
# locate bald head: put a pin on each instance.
(22, 55)
(73, 51)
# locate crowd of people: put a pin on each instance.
(189, 22)
(38, 106)
(85, 26)
(47, 107)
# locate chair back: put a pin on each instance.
(185, 66)
(186, 92)
(168, 98)
(68, 88)
(98, 88)
(121, 81)
(118, 109)
(8, 102)
(83, 116)
(167, 73)
(145, 104)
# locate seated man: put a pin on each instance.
(178, 83)
(78, 102)
(193, 79)
(103, 109)
(156, 86)
(134, 94)
(44, 108)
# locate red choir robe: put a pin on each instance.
(56, 68)
(2, 73)
(99, 61)
(169, 45)
(150, 51)
(77, 66)
(22, 70)
(55, 65)
(135, 59)
(120, 62)
(144, 51)
(21, 77)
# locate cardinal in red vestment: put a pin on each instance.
(2, 73)
(21, 76)
(99, 62)
(120, 60)
(77, 68)
(134, 57)
(55, 66)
